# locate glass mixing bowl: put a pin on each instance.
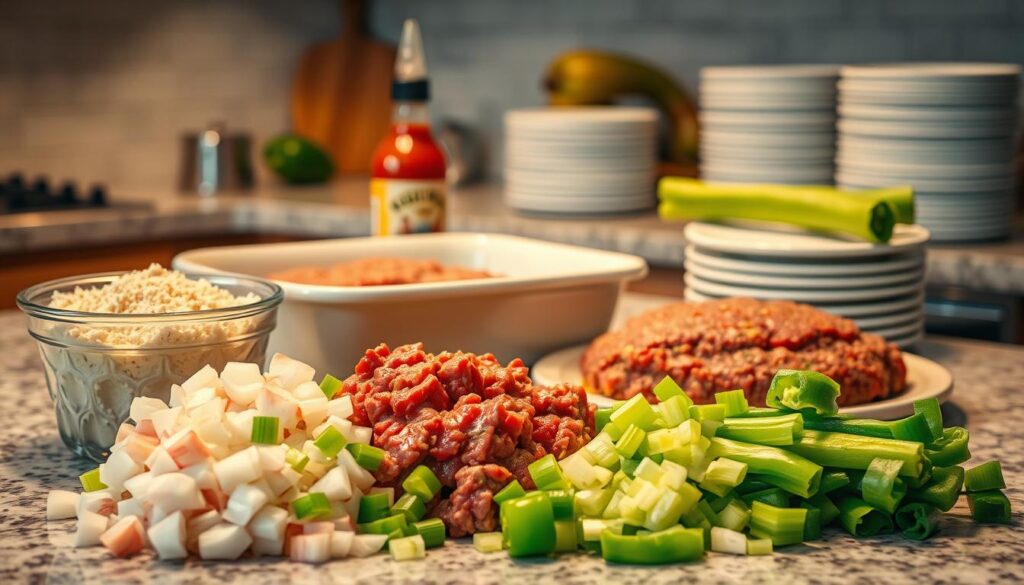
(96, 363)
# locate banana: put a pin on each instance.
(589, 77)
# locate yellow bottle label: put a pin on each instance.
(403, 206)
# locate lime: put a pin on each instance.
(297, 160)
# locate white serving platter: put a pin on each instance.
(794, 267)
(791, 282)
(811, 296)
(925, 379)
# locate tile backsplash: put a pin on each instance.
(101, 91)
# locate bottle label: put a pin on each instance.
(400, 206)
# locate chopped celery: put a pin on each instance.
(803, 390)
(601, 450)
(860, 519)
(265, 430)
(666, 512)
(330, 386)
(857, 452)
(991, 507)
(386, 525)
(782, 525)
(790, 471)
(774, 430)
(734, 516)
(367, 456)
(829, 511)
(432, 531)
(330, 441)
(929, 407)
(775, 496)
(832, 480)
(411, 506)
(407, 548)
(488, 542)
(562, 503)
(546, 474)
(511, 491)
(593, 502)
(635, 411)
(951, 449)
(673, 545)
(675, 410)
(565, 535)
(422, 482)
(91, 481)
(724, 540)
(700, 412)
(759, 546)
(984, 477)
(373, 506)
(812, 524)
(734, 401)
(311, 506)
(668, 388)
(601, 418)
(880, 487)
(917, 521)
(630, 441)
(528, 525)
(722, 475)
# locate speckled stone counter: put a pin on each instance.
(341, 210)
(988, 396)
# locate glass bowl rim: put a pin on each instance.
(27, 303)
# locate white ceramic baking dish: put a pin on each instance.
(547, 296)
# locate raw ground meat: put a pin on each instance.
(476, 423)
(377, 272)
(740, 343)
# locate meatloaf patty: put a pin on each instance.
(740, 343)
(476, 423)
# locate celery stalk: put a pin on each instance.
(856, 452)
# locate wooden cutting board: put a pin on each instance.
(341, 94)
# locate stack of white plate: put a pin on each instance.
(946, 128)
(878, 286)
(768, 124)
(580, 160)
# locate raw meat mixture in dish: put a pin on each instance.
(378, 271)
(476, 423)
(740, 343)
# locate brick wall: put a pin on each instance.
(103, 94)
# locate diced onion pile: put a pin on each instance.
(665, 483)
(237, 462)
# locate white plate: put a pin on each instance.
(787, 282)
(887, 165)
(584, 117)
(778, 240)
(855, 311)
(814, 175)
(933, 70)
(881, 322)
(927, 114)
(814, 297)
(845, 177)
(782, 72)
(988, 146)
(892, 96)
(785, 120)
(758, 101)
(923, 129)
(755, 153)
(795, 267)
(925, 379)
(775, 140)
(898, 331)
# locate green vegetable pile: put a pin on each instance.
(664, 483)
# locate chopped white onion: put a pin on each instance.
(165, 422)
(340, 407)
(61, 504)
(206, 377)
(311, 548)
(101, 502)
(89, 529)
(168, 537)
(275, 402)
(224, 542)
(313, 410)
(290, 372)
(174, 491)
(125, 538)
(360, 477)
(143, 406)
(334, 484)
(728, 541)
(242, 467)
(242, 382)
(243, 504)
(130, 507)
(197, 525)
(308, 391)
(160, 462)
(138, 486)
(265, 547)
(269, 523)
(341, 543)
(118, 468)
(364, 545)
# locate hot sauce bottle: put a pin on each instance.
(407, 190)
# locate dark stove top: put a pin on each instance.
(17, 195)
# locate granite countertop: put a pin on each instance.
(341, 210)
(987, 397)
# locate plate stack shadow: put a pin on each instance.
(768, 124)
(582, 160)
(878, 286)
(947, 129)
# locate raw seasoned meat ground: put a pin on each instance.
(476, 423)
(740, 343)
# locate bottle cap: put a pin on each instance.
(411, 83)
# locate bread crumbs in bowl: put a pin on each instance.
(107, 338)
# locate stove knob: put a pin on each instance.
(41, 186)
(68, 194)
(98, 196)
(15, 182)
